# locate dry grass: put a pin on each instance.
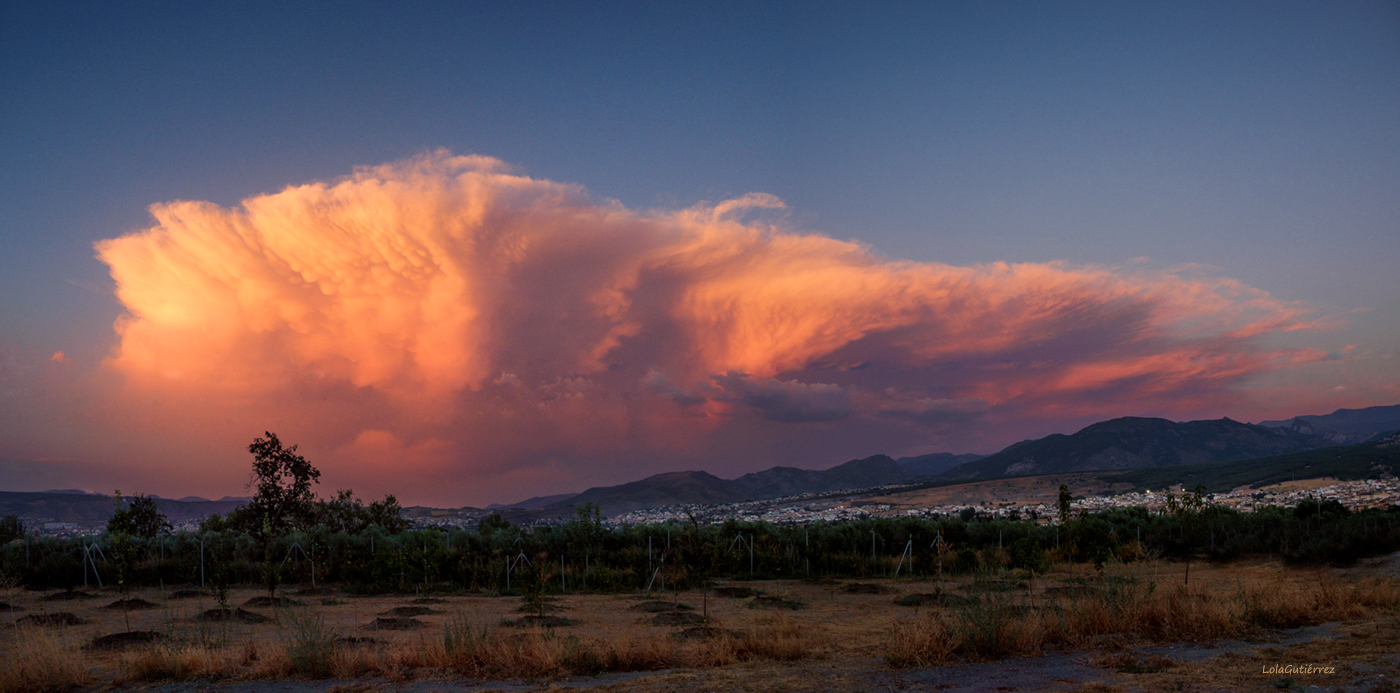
(1004, 625)
(1071, 608)
(185, 662)
(36, 661)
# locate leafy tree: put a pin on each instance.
(137, 517)
(11, 528)
(388, 515)
(122, 549)
(1192, 511)
(492, 523)
(283, 497)
(1064, 503)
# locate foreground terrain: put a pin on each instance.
(1248, 625)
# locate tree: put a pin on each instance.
(11, 528)
(495, 522)
(346, 513)
(1064, 503)
(1193, 511)
(139, 516)
(283, 497)
(388, 515)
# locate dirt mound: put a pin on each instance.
(676, 618)
(121, 641)
(397, 623)
(542, 621)
(936, 599)
(917, 600)
(62, 618)
(357, 641)
(701, 633)
(238, 615)
(428, 600)
(132, 604)
(265, 602)
(6, 606)
(657, 606)
(315, 591)
(187, 594)
(864, 588)
(332, 601)
(767, 602)
(409, 611)
(69, 595)
(736, 592)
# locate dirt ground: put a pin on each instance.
(850, 631)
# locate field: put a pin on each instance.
(1133, 627)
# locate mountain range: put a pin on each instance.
(69, 505)
(1345, 426)
(1132, 442)
(1118, 444)
(1122, 443)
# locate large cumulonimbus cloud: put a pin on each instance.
(444, 304)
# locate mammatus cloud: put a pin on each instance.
(447, 310)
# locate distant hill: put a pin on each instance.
(672, 488)
(1133, 442)
(1347, 462)
(64, 506)
(534, 503)
(935, 464)
(703, 488)
(1346, 426)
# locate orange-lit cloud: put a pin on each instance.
(452, 314)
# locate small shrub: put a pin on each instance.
(311, 647)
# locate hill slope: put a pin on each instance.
(90, 507)
(1349, 462)
(703, 488)
(1133, 442)
(1346, 426)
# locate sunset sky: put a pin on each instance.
(470, 253)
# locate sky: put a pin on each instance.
(470, 253)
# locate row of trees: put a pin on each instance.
(286, 533)
(584, 554)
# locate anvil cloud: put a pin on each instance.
(445, 318)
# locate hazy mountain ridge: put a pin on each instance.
(95, 507)
(1117, 444)
(1134, 442)
(1346, 426)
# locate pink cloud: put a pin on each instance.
(470, 321)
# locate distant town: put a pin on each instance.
(853, 505)
(798, 510)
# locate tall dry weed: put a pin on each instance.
(181, 663)
(997, 626)
(36, 662)
(777, 636)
